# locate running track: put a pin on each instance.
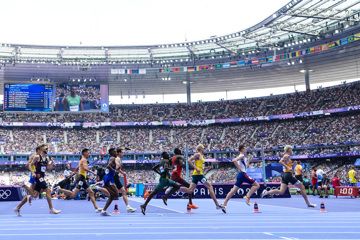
(279, 219)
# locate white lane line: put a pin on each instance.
(286, 238)
(100, 227)
(163, 233)
(169, 209)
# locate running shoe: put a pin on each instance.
(17, 212)
(105, 213)
(54, 211)
(193, 206)
(130, 209)
(146, 194)
(164, 200)
(222, 207)
(143, 209)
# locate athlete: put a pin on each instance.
(41, 163)
(109, 182)
(197, 161)
(299, 171)
(287, 177)
(177, 162)
(352, 176)
(314, 180)
(81, 181)
(118, 184)
(242, 163)
(31, 167)
(162, 169)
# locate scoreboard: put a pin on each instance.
(28, 97)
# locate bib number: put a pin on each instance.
(203, 180)
(107, 171)
(80, 183)
(41, 179)
(74, 108)
(43, 169)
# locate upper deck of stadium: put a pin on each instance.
(269, 54)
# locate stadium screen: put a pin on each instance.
(81, 98)
(61, 97)
(28, 97)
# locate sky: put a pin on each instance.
(126, 22)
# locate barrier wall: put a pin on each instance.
(222, 189)
(8, 193)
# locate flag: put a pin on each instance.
(191, 69)
(142, 71)
(241, 63)
(218, 66)
(226, 65)
(344, 41)
(175, 69)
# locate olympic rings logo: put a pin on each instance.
(4, 194)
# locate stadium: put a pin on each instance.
(249, 134)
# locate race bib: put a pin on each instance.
(43, 169)
(203, 180)
(107, 171)
(74, 108)
(80, 183)
(41, 179)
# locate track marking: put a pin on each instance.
(169, 209)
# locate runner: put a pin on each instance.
(41, 163)
(242, 163)
(197, 161)
(162, 169)
(176, 175)
(109, 182)
(81, 181)
(287, 177)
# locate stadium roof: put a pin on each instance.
(297, 22)
(297, 25)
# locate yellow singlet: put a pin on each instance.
(199, 163)
(82, 170)
(298, 170)
(352, 176)
(289, 163)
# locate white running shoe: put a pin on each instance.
(98, 210)
(312, 205)
(130, 209)
(17, 212)
(54, 211)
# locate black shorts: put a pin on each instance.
(81, 183)
(198, 178)
(299, 177)
(288, 177)
(40, 184)
(117, 181)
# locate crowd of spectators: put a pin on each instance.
(325, 131)
(322, 98)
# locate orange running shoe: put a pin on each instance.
(193, 206)
(146, 194)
